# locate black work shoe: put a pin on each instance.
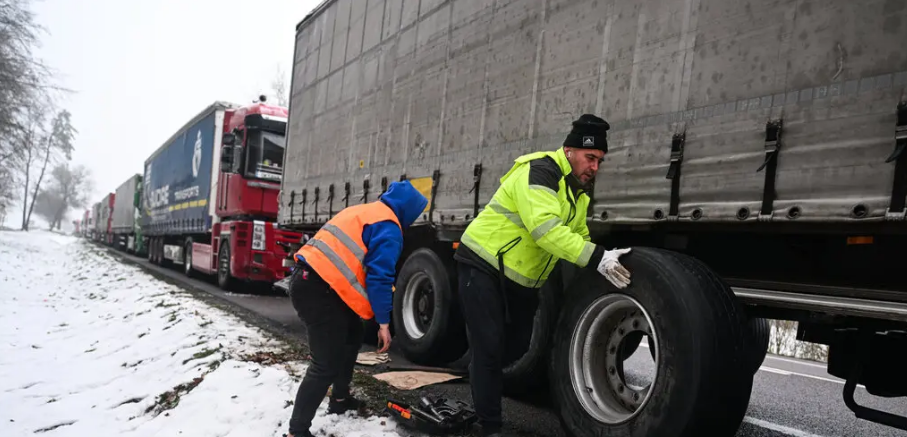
(348, 404)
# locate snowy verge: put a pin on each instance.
(91, 346)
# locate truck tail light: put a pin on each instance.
(258, 235)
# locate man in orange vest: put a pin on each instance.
(344, 274)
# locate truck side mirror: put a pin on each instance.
(226, 159)
(229, 139)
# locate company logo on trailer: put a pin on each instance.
(197, 155)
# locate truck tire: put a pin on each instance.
(151, 250)
(697, 328)
(428, 325)
(187, 258)
(758, 332)
(527, 371)
(225, 280)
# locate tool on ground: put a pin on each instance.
(434, 416)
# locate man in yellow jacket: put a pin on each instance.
(536, 217)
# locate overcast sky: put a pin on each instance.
(141, 69)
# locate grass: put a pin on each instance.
(204, 353)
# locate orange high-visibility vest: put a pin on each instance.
(337, 252)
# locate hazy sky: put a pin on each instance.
(142, 69)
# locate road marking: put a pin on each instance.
(778, 428)
(789, 373)
(805, 363)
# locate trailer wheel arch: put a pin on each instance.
(704, 358)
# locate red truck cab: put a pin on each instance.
(245, 238)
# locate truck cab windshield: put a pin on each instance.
(265, 155)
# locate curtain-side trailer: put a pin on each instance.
(127, 203)
(757, 166)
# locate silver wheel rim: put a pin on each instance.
(418, 305)
(596, 366)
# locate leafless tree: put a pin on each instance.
(23, 78)
(40, 144)
(69, 188)
(280, 88)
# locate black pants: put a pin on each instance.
(483, 311)
(335, 335)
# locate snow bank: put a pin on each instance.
(92, 347)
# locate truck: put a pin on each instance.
(210, 195)
(96, 229)
(126, 229)
(85, 227)
(756, 167)
(105, 219)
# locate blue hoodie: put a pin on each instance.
(385, 243)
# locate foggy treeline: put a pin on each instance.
(36, 134)
(784, 341)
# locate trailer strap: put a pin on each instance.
(346, 195)
(677, 144)
(770, 164)
(476, 180)
(899, 186)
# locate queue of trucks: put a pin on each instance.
(207, 199)
(758, 168)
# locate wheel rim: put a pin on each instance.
(418, 305)
(597, 365)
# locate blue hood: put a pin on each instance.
(406, 202)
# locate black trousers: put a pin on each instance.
(493, 342)
(335, 335)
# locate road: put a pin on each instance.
(790, 397)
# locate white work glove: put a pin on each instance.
(612, 270)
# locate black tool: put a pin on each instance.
(433, 416)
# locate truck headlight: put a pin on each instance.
(258, 235)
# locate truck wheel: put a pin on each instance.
(426, 316)
(758, 333)
(696, 327)
(151, 250)
(224, 279)
(525, 370)
(187, 258)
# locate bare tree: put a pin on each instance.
(69, 188)
(23, 78)
(58, 141)
(280, 88)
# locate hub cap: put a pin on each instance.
(598, 357)
(418, 305)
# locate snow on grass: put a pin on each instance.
(91, 346)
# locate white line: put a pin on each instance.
(789, 373)
(773, 370)
(805, 363)
(778, 428)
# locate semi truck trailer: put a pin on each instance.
(756, 166)
(210, 195)
(127, 233)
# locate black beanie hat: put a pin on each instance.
(589, 132)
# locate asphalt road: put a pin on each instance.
(790, 397)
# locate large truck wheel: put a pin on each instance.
(151, 250)
(758, 332)
(697, 330)
(187, 258)
(428, 325)
(224, 279)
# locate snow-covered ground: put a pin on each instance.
(93, 347)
